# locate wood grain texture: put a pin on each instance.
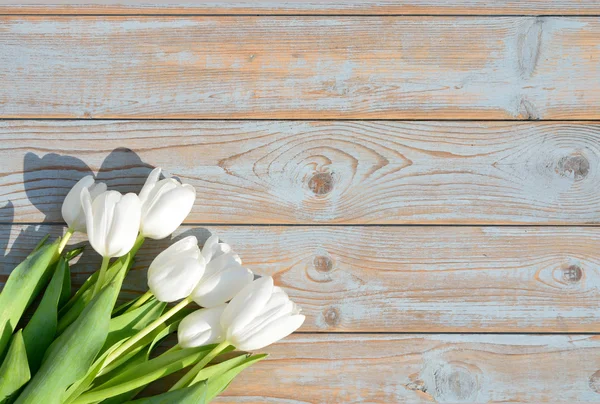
(405, 279)
(298, 172)
(324, 7)
(423, 369)
(300, 67)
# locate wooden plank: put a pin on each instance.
(406, 279)
(317, 172)
(323, 7)
(300, 67)
(423, 369)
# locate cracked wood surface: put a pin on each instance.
(299, 67)
(401, 279)
(323, 7)
(318, 172)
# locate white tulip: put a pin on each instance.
(112, 221)
(176, 271)
(260, 315)
(224, 275)
(201, 327)
(165, 204)
(72, 210)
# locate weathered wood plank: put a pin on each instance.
(423, 369)
(301, 67)
(323, 7)
(317, 172)
(407, 279)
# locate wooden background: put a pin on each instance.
(421, 176)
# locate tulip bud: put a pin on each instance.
(176, 271)
(165, 204)
(112, 221)
(224, 275)
(260, 315)
(72, 210)
(201, 327)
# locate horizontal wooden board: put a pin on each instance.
(298, 172)
(405, 279)
(324, 7)
(423, 369)
(300, 67)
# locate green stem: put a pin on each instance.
(190, 377)
(101, 275)
(152, 326)
(65, 239)
(140, 301)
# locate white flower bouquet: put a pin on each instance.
(80, 348)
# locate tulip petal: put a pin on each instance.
(268, 335)
(209, 245)
(123, 226)
(187, 246)
(167, 209)
(86, 204)
(221, 263)
(149, 184)
(202, 327)
(71, 207)
(175, 280)
(222, 286)
(247, 304)
(79, 224)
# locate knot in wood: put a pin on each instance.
(323, 263)
(321, 183)
(572, 274)
(594, 382)
(574, 166)
(332, 316)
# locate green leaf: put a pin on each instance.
(80, 386)
(73, 308)
(22, 286)
(14, 372)
(216, 385)
(70, 356)
(218, 369)
(145, 373)
(71, 254)
(136, 360)
(129, 324)
(41, 329)
(65, 291)
(195, 394)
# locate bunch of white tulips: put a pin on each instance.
(81, 349)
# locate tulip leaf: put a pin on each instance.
(136, 360)
(65, 291)
(70, 356)
(41, 329)
(195, 394)
(73, 308)
(80, 386)
(14, 372)
(218, 369)
(145, 373)
(22, 286)
(216, 385)
(129, 324)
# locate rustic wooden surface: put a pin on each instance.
(404, 279)
(389, 215)
(336, 172)
(424, 369)
(300, 67)
(300, 7)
